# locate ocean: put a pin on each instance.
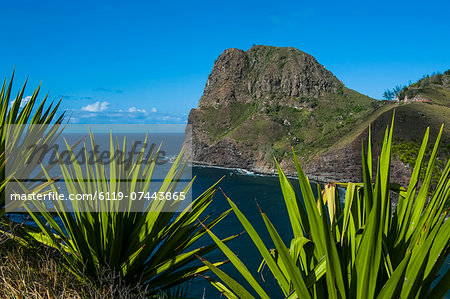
(245, 191)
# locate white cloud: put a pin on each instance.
(96, 107)
(134, 109)
(95, 114)
(23, 102)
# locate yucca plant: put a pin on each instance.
(361, 250)
(153, 245)
(18, 113)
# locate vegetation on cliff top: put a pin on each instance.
(435, 88)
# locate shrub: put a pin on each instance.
(407, 152)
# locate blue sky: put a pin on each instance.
(145, 61)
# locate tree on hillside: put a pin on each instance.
(391, 94)
(388, 95)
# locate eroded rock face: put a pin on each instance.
(342, 165)
(269, 76)
(291, 73)
(262, 72)
(224, 84)
(222, 153)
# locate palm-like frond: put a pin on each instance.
(154, 245)
(12, 113)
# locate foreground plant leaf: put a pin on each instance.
(365, 250)
(11, 114)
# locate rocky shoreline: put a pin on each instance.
(321, 179)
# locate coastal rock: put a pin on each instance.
(262, 71)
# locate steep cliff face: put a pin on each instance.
(224, 84)
(262, 72)
(260, 103)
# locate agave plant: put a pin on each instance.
(361, 250)
(19, 113)
(155, 246)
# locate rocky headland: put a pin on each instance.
(262, 103)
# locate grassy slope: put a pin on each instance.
(362, 124)
(269, 129)
(40, 272)
(336, 118)
(412, 119)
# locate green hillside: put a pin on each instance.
(276, 128)
(267, 100)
